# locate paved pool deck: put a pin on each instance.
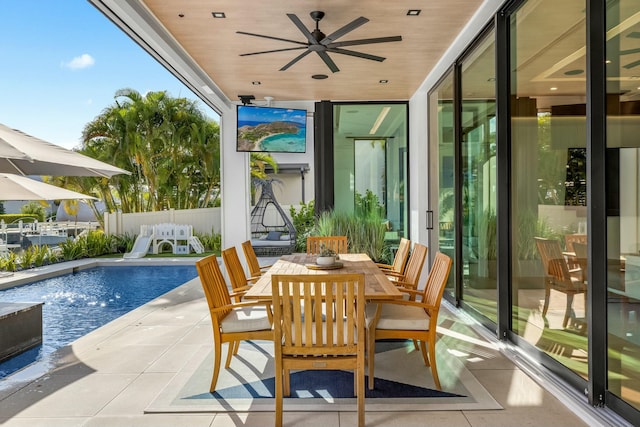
(110, 376)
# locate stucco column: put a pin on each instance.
(235, 184)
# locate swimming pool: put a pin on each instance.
(76, 304)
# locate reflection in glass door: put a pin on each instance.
(478, 164)
(442, 173)
(623, 205)
(370, 163)
(548, 180)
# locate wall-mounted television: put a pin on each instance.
(271, 129)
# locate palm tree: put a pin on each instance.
(257, 166)
(169, 145)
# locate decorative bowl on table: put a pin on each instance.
(326, 260)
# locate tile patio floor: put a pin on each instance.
(108, 377)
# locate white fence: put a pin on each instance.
(203, 220)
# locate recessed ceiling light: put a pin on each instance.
(608, 61)
(181, 15)
(413, 12)
(256, 83)
(383, 81)
(553, 88)
(491, 79)
(218, 14)
(319, 76)
(573, 72)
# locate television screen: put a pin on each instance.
(271, 129)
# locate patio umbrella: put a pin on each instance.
(16, 187)
(27, 155)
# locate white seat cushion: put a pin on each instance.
(245, 319)
(398, 317)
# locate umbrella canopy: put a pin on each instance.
(16, 187)
(27, 155)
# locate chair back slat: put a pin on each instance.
(570, 239)
(319, 313)
(402, 256)
(338, 244)
(553, 260)
(581, 257)
(252, 259)
(232, 263)
(436, 282)
(213, 284)
(414, 266)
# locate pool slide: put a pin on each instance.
(140, 247)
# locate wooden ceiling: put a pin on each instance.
(215, 45)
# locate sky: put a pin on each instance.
(61, 63)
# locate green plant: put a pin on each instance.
(34, 208)
(96, 243)
(487, 236)
(212, 242)
(304, 221)
(369, 204)
(41, 255)
(123, 243)
(364, 233)
(27, 257)
(326, 251)
(9, 262)
(70, 249)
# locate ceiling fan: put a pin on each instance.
(322, 44)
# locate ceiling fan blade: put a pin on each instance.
(629, 51)
(296, 59)
(271, 51)
(298, 23)
(365, 41)
(632, 65)
(270, 37)
(356, 54)
(327, 60)
(344, 30)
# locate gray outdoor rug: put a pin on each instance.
(402, 382)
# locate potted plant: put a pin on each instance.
(326, 256)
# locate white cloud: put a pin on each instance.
(79, 62)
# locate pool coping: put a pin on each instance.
(24, 277)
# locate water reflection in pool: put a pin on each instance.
(76, 304)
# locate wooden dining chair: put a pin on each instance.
(415, 319)
(255, 269)
(580, 250)
(400, 259)
(240, 283)
(338, 244)
(231, 321)
(318, 325)
(569, 242)
(411, 277)
(558, 276)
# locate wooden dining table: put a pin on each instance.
(377, 285)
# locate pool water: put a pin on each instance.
(76, 304)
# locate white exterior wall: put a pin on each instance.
(203, 220)
(419, 127)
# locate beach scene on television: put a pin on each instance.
(271, 129)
